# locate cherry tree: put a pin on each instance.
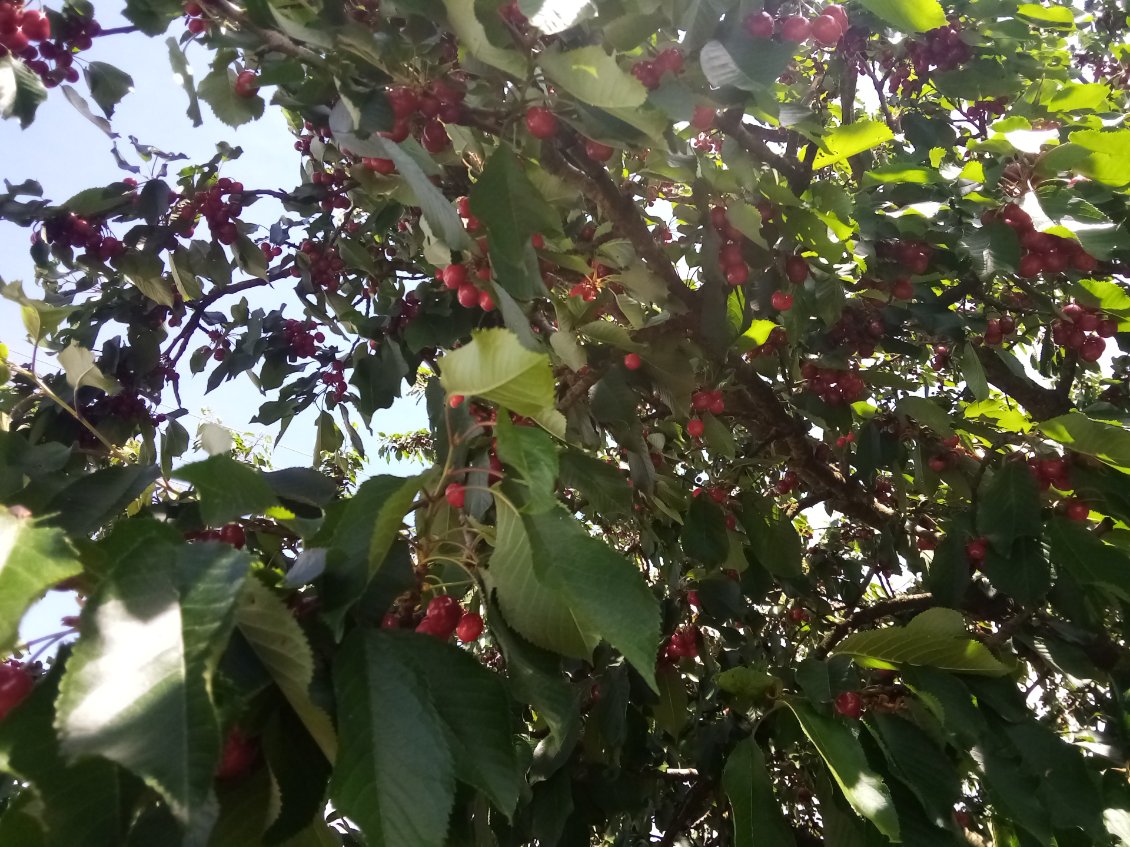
(775, 480)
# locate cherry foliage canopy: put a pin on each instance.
(776, 488)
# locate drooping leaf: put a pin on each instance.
(227, 488)
(756, 811)
(137, 689)
(217, 89)
(1009, 507)
(843, 142)
(593, 77)
(936, 638)
(909, 15)
(862, 787)
(1088, 558)
(496, 367)
(32, 559)
(531, 453)
(278, 641)
(704, 531)
(1104, 441)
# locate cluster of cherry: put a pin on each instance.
(857, 331)
(835, 387)
(1083, 330)
(26, 34)
(326, 266)
(682, 644)
(231, 533)
(443, 618)
(826, 29)
(1043, 252)
(943, 49)
(220, 204)
(71, 230)
(650, 72)
(424, 112)
(302, 337)
(469, 295)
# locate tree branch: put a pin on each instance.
(730, 122)
(1041, 403)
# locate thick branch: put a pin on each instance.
(1041, 403)
(730, 122)
(594, 182)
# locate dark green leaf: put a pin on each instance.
(227, 489)
(605, 487)
(936, 638)
(183, 72)
(1087, 558)
(1009, 507)
(21, 91)
(1104, 441)
(89, 502)
(704, 532)
(756, 811)
(1023, 573)
(531, 452)
(916, 760)
(108, 85)
(217, 89)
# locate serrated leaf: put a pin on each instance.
(217, 89)
(532, 454)
(936, 639)
(137, 688)
(671, 713)
(183, 73)
(21, 91)
(603, 486)
(606, 593)
(1009, 507)
(974, 372)
(396, 777)
(1088, 558)
(593, 77)
(747, 63)
(756, 811)
(513, 210)
(843, 142)
(772, 536)
(32, 559)
(78, 363)
(917, 761)
(841, 751)
(277, 639)
(471, 34)
(108, 85)
(909, 15)
(1104, 441)
(227, 488)
(496, 367)
(927, 412)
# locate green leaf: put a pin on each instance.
(602, 484)
(671, 712)
(744, 62)
(925, 411)
(532, 454)
(217, 89)
(1009, 507)
(21, 91)
(1076, 96)
(137, 689)
(593, 77)
(846, 141)
(1059, 17)
(75, 804)
(936, 639)
(1023, 573)
(772, 536)
(918, 762)
(1104, 441)
(474, 707)
(704, 532)
(78, 363)
(108, 85)
(396, 777)
(227, 489)
(513, 210)
(496, 367)
(908, 15)
(607, 595)
(277, 639)
(756, 811)
(1107, 155)
(974, 372)
(530, 603)
(1088, 558)
(32, 559)
(841, 751)
(471, 34)
(90, 502)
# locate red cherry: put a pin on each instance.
(1030, 265)
(597, 151)
(1107, 327)
(938, 463)
(196, 25)
(404, 101)
(695, 427)
(234, 535)
(737, 274)
(1084, 263)
(849, 704)
(703, 117)
(927, 541)
(1015, 217)
(759, 24)
(1077, 510)
(246, 84)
(795, 28)
(670, 60)
(1056, 261)
(796, 269)
(35, 25)
(782, 301)
(1092, 349)
(951, 442)
(902, 289)
(798, 614)
(454, 276)
(470, 627)
(381, 166)
(633, 362)
(717, 405)
(15, 685)
(700, 400)
(434, 138)
(238, 756)
(486, 302)
(838, 14)
(826, 30)
(541, 122)
(456, 495)
(468, 296)
(977, 549)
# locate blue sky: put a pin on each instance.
(66, 153)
